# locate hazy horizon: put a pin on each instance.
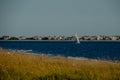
(59, 17)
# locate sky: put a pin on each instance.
(59, 17)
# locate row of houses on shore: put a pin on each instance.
(61, 38)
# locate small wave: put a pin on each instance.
(81, 58)
(78, 58)
(25, 51)
(21, 50)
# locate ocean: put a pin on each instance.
(105, 50)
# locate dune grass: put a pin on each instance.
(20, 66)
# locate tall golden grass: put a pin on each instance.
(20, 66)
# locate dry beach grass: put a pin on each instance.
(20, 66)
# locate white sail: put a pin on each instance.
(77, 38)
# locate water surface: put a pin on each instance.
(92, 50)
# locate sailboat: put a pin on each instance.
(77, 39)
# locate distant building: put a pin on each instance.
(6, 37)
(51, 38)
(114, 38)
(93, 38)
(13, 38)
(86, 37)
(61, 38)
(100, 38)
(37, 38)
(22, 38)
(107, 38)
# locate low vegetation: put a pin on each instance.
(20, 66)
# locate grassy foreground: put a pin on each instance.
(20, 66)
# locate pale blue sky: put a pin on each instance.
(59, 17)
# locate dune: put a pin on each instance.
(21, 66)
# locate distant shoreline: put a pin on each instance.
(59, 40)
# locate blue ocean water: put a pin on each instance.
(92, 50)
